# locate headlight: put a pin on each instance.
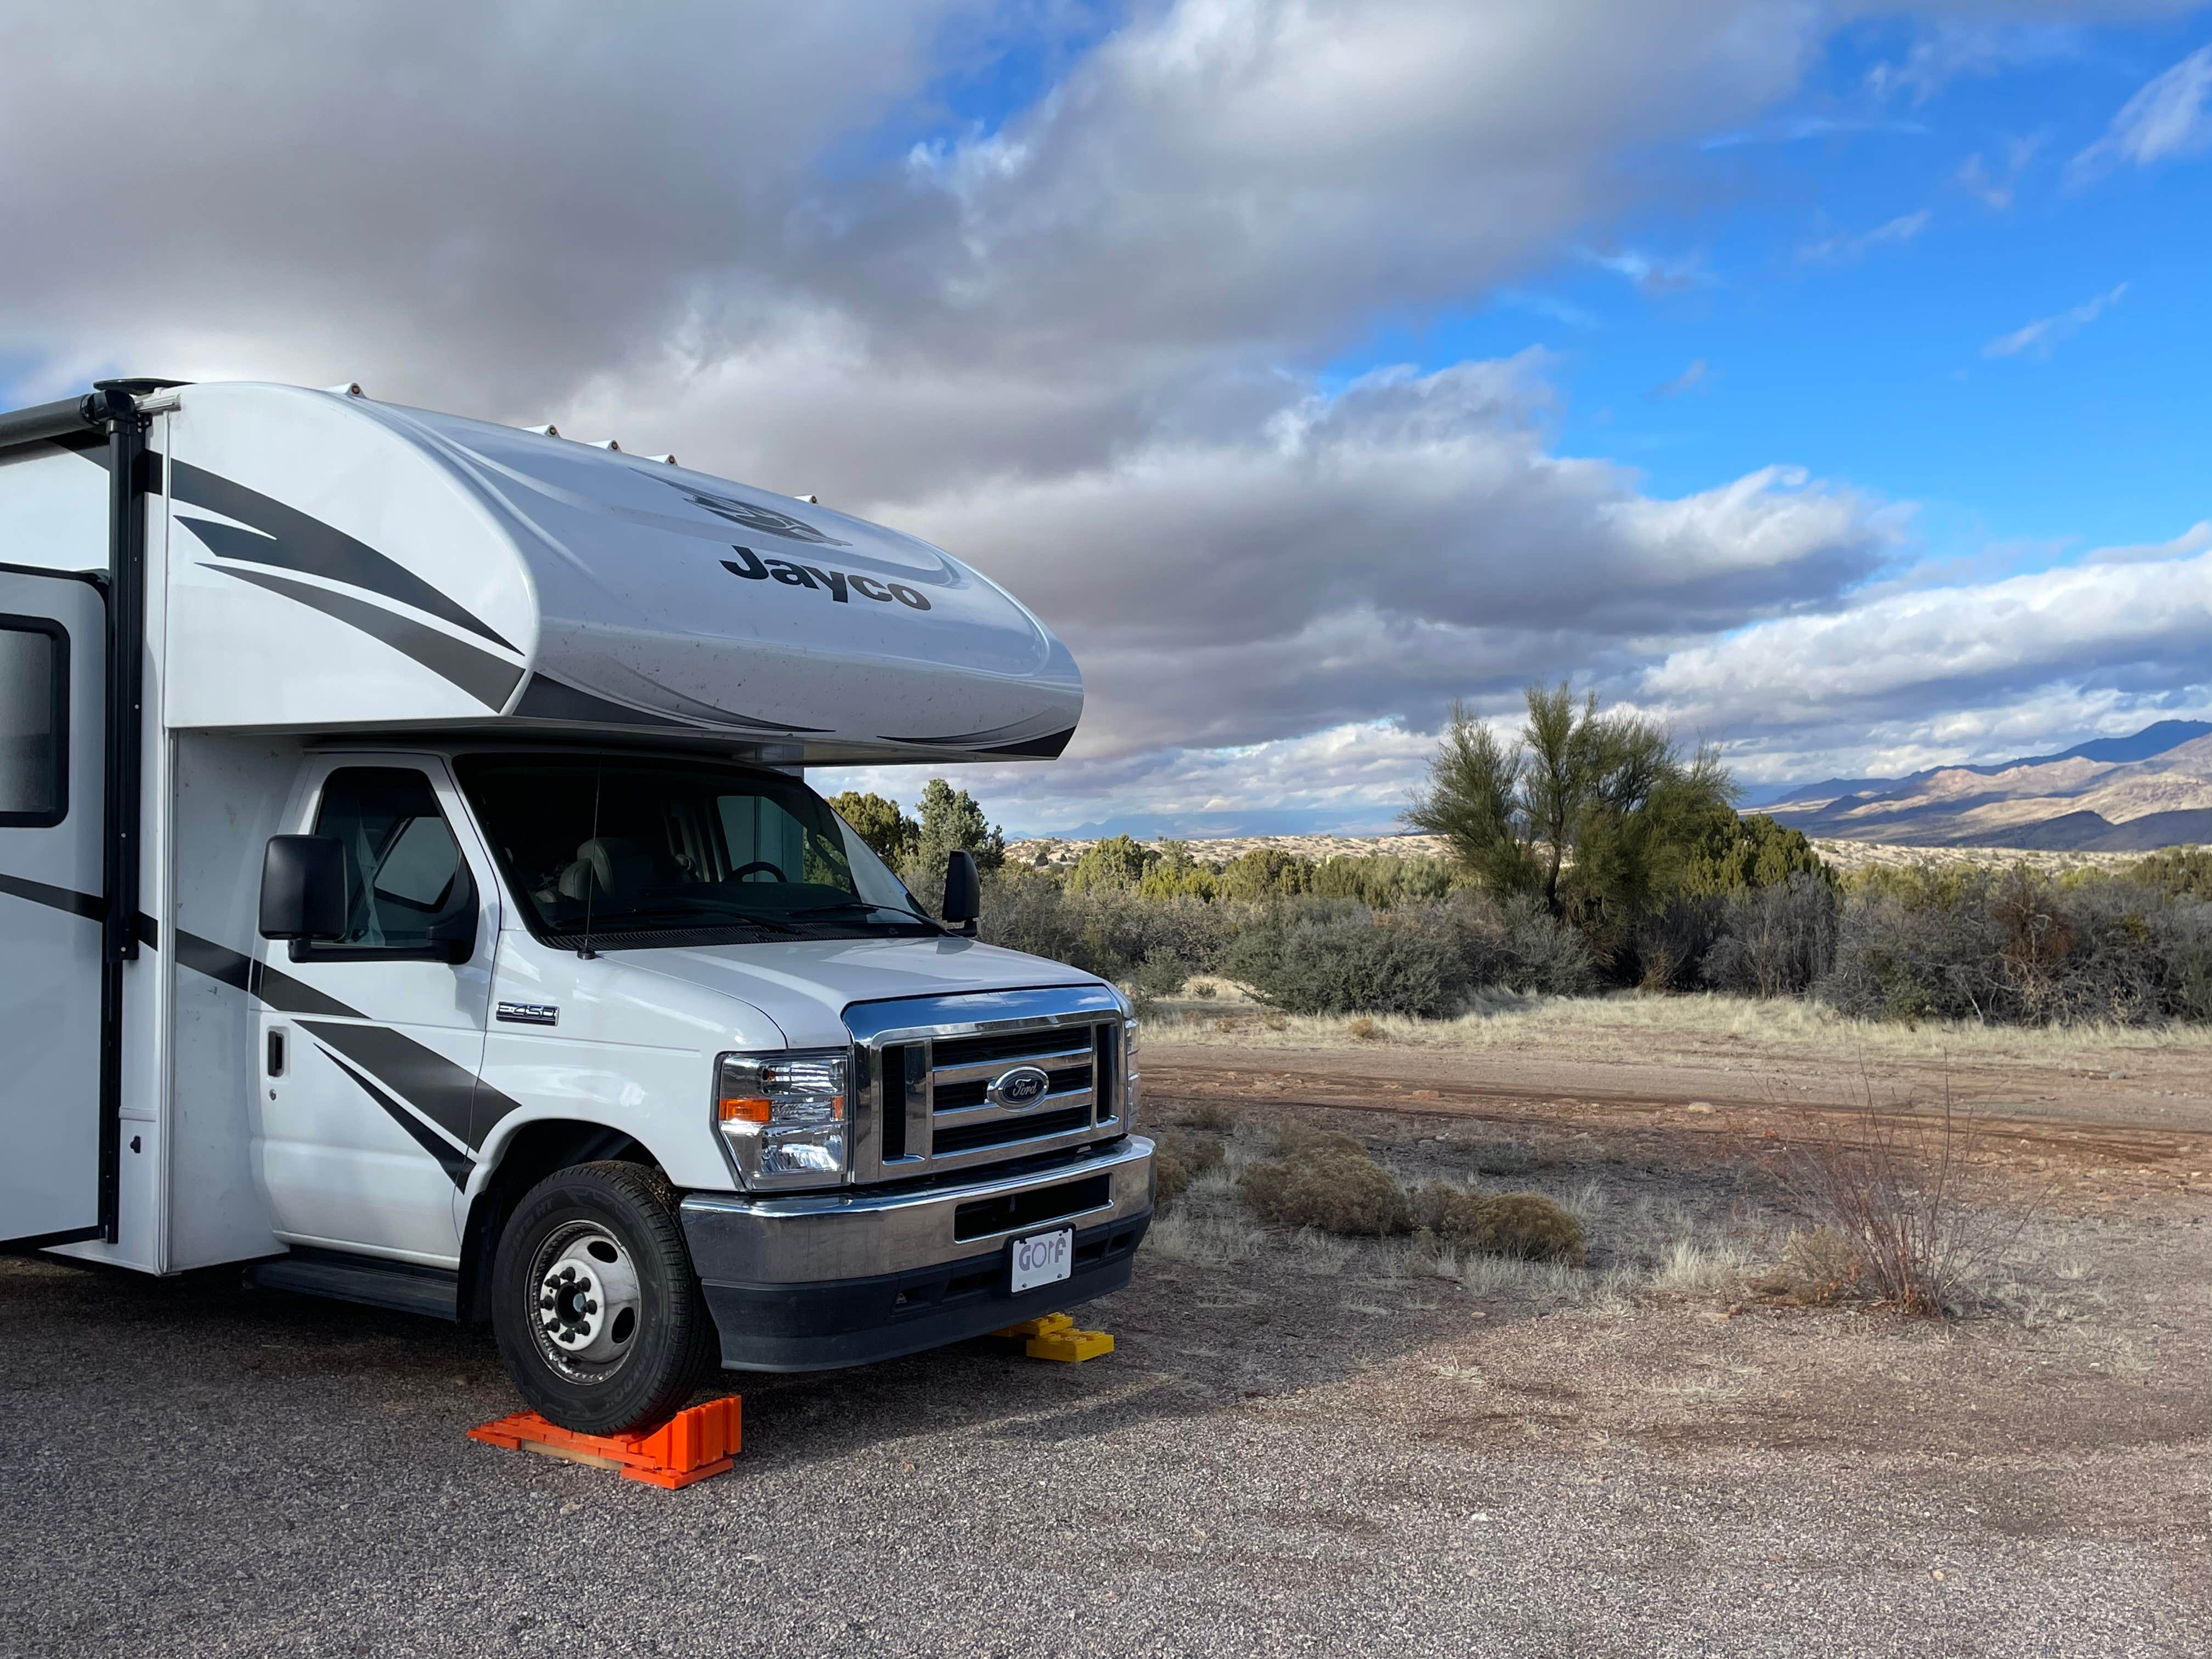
(785, 1116)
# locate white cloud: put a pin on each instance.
(1688, 380)
(2092, 631)
(2036, 338)
(1995, 184)
(1373, 554)
(2168, 118)
(1074, 347)
(1891, 233)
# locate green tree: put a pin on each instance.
(1265, 873)
(950, 821)
(1175, 873)
(876, 820)
(1729, 853)
(1599, 815)
(1118, 862)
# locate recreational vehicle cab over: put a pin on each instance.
(409, 889)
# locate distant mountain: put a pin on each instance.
(2112, 794)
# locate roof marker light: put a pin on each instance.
(812, 501)
(348, 389)
(548, 430)
(609, 444)
(665, 460)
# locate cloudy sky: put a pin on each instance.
(1828, 378)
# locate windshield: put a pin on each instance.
(633, 852)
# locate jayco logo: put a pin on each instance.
(840, 584)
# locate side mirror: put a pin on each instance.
(303, 893)
(963, 893)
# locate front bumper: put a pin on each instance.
(813, 1281)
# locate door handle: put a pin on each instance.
(276, 1053)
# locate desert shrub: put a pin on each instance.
(1817, 1267)
(1174, 873)
(1775, 940)
(1365, 1029)
(1116, 861)
(2181, 872)
(1530, 1226)
(1212, 1115)
(1326, 1181)
(1522, 946)
(1452, 1213)
(1179, 1159)
(1265, 873)
(1383, 882)
(1333, 958)
(1113, 932)
(1893, 1187)
(2019, 949)
(1527, 1225)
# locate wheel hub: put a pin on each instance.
(585, 1298)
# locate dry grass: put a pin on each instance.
(1644, 1249)
(1895, 1189)
(1642, 1025)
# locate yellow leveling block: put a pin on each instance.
(1054, 1337)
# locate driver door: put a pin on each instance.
(372, 1042)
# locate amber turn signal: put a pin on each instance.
(745, 1108)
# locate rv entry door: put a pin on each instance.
(52, 655)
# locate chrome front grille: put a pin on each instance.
(924, 1069)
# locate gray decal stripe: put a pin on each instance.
(1044, 748)
(445, 1093)
(297, 542)
(490, 680)
(456, 1164)
(273, 985)
(547, 699)
(90, 906)
(217, 962)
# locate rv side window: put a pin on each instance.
(34, 723)
(403, 871)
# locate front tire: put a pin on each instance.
(595, 1308)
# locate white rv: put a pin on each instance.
(409, 890)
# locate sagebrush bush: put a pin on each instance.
(2016, 948)
(1452, 1213)
(1530, 1226)
(1326, 1181)
(1892, 943)
(1338, 958)
(1179, 1159)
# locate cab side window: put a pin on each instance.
(407, 890)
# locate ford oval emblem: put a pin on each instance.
(1023, 1086)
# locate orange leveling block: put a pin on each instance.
(1054, 1337)
(694, 1445)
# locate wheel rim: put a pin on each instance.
(583, 1302)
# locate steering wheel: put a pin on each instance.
(744, 870)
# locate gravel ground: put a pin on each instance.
(1286, 1454)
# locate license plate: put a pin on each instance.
(1043, 1259)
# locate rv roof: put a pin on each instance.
(337, 562)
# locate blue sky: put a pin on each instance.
(1824, 378)
(1840, 267)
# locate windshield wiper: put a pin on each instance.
(733, 915)
(863, 904)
